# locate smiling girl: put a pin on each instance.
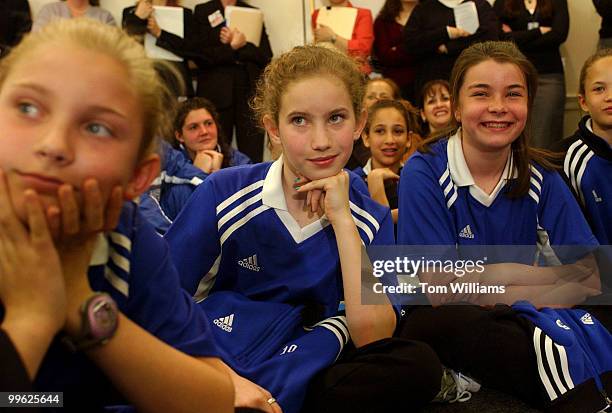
(387, 135)
(484, 185)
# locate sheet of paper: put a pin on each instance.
(169, 19)
(246, 19)
(340, 19)
(466, 17)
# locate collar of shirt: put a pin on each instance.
(461, 175)
(451, 3)
(272, 192)
(367, 168)
(101, 252)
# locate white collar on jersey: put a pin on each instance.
(101, 252)
(274, 197)
(451, 3)
(272, 191)
(367, 168)
(461, 175)
(589, 124)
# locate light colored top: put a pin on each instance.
(60, 10)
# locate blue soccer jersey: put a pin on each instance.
(170, 191)
(236, 234)
(588, 169)
(133, 265)
(441, 205)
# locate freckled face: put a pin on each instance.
(317, 126)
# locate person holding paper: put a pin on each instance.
(140, 19)
(359, 45)
(435, 38)
(69, 9)
(539, 28)
(229, 67)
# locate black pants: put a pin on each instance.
(378, 377)
(495, 347)
(249, 137)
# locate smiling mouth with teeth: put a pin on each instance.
(497, 125)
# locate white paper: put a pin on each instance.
(466, 17)
(246, 19)
(169, 19)
(340, 19)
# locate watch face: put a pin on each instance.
(102, 316)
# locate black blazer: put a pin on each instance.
(15, 21)
(426, 30)
(135, 26)
(218, 62)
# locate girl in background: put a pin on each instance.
(198, 135)
(375, 90)
(387, 135)
(588, 153)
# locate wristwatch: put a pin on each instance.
(333, 39)
(100, 317)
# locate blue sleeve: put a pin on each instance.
(358, 183)
(239, 158)
(424, 218)
(152, 211)
(561, 217)
(176, 164)
(193, 237)
(158, 303)
(174, 198)
(385, 234)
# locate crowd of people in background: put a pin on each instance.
(150, 260)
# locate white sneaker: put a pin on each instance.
(455, 387)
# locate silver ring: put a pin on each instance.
(271, 400)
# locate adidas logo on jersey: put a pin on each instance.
(225, 323)
(250, 263)
(596, 197)
(466, 233)
(563, 326)
(587, 319)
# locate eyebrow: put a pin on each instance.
(299, 113)
(487, 86)
(33, 86)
